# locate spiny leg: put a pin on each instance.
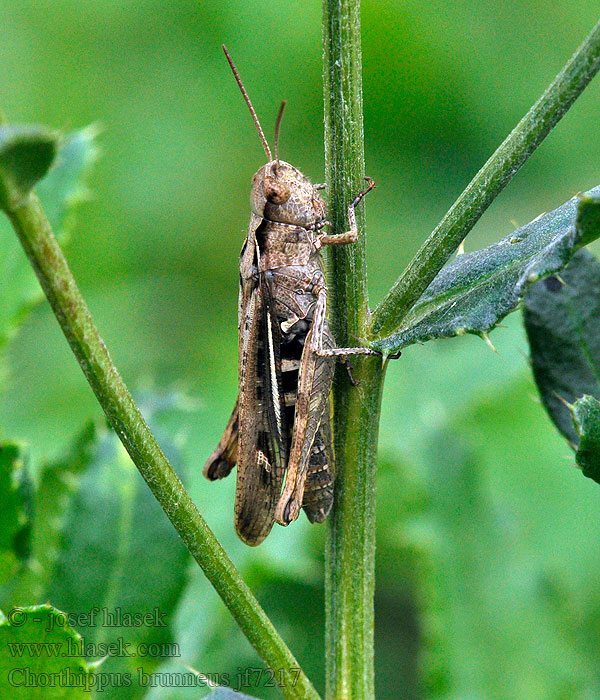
(344, 352)
(342, 239)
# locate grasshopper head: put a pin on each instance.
(280, 192)
(283, 194)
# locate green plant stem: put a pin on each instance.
(344, 163)
(487, 184)
(48, 261)
(350, 552)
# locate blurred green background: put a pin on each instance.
(489, 551)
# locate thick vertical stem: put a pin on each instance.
(350, 554)
(344, 162)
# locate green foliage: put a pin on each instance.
(586, 417)
(60, 191)
(15, 513)
(65, 185)
(57, 486)
(561, 318)
(101, 542)
(474, 292)
(41, 656)
(26, 154)
(500, 588)
(588, 217)
(486, 185)
(119, 551)
(160, 244)
(504, 604)
(286, 576)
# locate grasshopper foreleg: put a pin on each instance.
(351, 235)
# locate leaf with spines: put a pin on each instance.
(474, 292)
(562, 319)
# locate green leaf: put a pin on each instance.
(562, 319)
(59, 191)
(64, 187)
(53, 498)
(26, 154)
(119, 552)
(476, 290)
(101, 542)
(586, 417)
(15, 509)
(41, 656)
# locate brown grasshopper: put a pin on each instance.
(281, 420)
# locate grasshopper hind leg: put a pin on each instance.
(318, 488)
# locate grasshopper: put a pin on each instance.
(279, 433)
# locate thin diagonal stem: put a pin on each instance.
(48, 261)
(487, 185)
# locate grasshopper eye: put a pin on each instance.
(276, 192)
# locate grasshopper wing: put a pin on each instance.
(224, 458)
(261, 444)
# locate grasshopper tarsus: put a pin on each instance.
(349, 236)
(370, 186)
(348, 366)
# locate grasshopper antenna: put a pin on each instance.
(277, 129)
(238, 80)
